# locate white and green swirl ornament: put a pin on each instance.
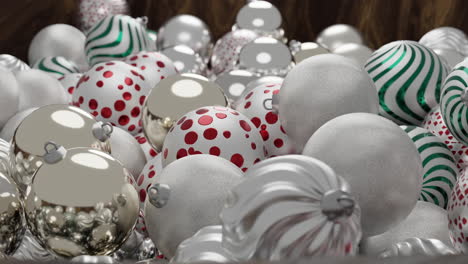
(454, 101)
(116, 37)
(56, 66)
(439, 166)
(408, 77)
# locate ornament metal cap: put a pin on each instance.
(337, 203)
(158, 195)
(102, 130)
(53, 152)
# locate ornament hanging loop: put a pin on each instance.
(336, 204)
(158, 195)
(102, 131)
(53, 152)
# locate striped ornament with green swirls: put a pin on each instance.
(114, 38)
(439, 166)
(408, 78)
(454, 101)
(56, 66)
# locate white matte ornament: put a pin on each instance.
(127, 150)
(9, 128)
(378, 160)
(37, 88)
(336, 35)
(319, 89)
(9, 96)
(197, 189)
(426, 220)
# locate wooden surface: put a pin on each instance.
(380, 21)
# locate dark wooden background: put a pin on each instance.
(380, 21)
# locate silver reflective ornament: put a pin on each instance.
(186, 30)
(302, 51)
(185, 59)
(30, 250)
(11, 216)
(418, 247)
(129, 249)
(262, 17)
(204, 246)
(355, 52)
(152, 38)
(13, 64)
(234, 83)
(173, 97)
(266, 56)
(94, 259)
(336, 35)
(66, 125)
(146, 250)
(291, 207)
(80, 202)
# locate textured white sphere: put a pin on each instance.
(354, 51)
(336, 35)
(379, 161)
(9, 96)
(199, 186)
(10, 126)
(58, 40)
(127, 150)
(37, 88)
(319, 89)
(426, 220)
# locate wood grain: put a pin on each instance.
(380, 21)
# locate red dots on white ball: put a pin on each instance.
(154, 65)
(69, 82)
(218, 131)
(146, 178)
(257, 105)
(149, 151)
(113, 92)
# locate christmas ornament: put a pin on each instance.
(153, 65)
(262, 17)
(439, 167)
(146, 178)
(186, 30)
(69, 82)
(454, 100)
(379, 161)
(234, 83)
(4, 158)
(58, 40)
(114, 38)
(93, 259)
(146, 250)
(408, 77)
(13, 64)
(257, 105)
(30, 250)
(356, 52)
(457, 216)
(9, 128)
(154, 261)
(127, 150)
(176, 208)
(172, 98)
(80, 202)
(218, 131)
(266, 56)
(264, 80)
(302, 51)
(446, 38)
(185, 59)
(11, 216)
(449, 57)
(130, 248)
(227, 48)
(92, 11)
(308, 99)
(426, 220)
(56, 66)
(436, 125)
(148, 150)
(291, 207)
(418, 247)
(37, 88)
(153, 37)
(336, 35)
(62, 124)
(113, 92)
(9, 99)
(204, 246)
(141, 224)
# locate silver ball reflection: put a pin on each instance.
(83, 204)
(334, 36)
(260, 16)
(185, 59)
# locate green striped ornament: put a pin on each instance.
(56, 66)
(114, 38)
(439, 166)
(454, 102)
(408, 78)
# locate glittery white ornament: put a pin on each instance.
(446, 38)
(92, 11)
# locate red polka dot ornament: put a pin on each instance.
(154, 65)
(113, 92)
(69, 82)
(458, 213)
(147, 177)
(257, 105)
(149, 151)
(219, 131)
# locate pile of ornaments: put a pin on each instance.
(123, 144)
